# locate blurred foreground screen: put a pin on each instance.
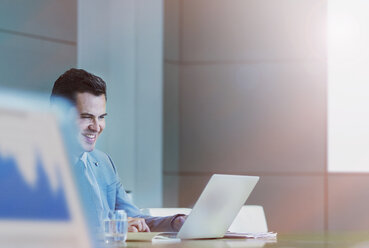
(39, 205)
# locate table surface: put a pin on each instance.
(339, 240)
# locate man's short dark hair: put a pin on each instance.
(76, 81)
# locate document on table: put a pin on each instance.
(154, 237)
(263, 235)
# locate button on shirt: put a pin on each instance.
(90, 191)
(94, 189)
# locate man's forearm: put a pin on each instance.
(161, 224)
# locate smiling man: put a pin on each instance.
(91, 118)
(97, 178)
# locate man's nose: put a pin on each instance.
(94, 126)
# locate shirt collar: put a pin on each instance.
(83, 158)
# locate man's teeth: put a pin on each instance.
(91, 136)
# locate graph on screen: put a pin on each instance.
(21, 200)
(30, 180)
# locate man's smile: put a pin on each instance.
(90, 137)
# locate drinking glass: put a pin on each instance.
(115, 227)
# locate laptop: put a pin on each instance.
(217, 206)
(39, 204)
(213, 213)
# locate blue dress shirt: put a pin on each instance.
(101, 190)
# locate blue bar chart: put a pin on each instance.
(19, 200)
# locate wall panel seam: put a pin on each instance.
(242, 62)
(38, 37)
(172, 173)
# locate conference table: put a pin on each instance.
(337, 240)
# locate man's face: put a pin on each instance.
(91, 121)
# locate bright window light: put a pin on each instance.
(348, 85)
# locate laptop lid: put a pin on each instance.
(39, 204)
(217, 206)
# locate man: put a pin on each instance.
(96, 174)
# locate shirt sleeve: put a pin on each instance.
(161, 224)
(122, 200)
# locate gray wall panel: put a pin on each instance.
(348, 202)
(252, 118)
(48, 18)
(170, 191)
(253, 30)
(33, 64)
(170, 122)
(171, 29)
(293, 204)
(190, 188)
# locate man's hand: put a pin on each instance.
(178, 222)
(137, 225)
